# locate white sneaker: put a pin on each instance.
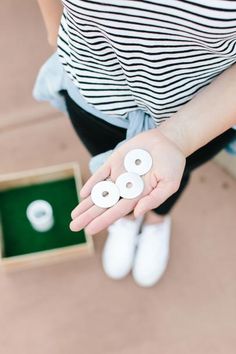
(152, 253)
(119, 249)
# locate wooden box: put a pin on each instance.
(21, 245)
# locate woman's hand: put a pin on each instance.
(160, 182)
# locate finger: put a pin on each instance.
(84, 219)
(82, 207)
(154, 199)
(102, 173)
(122, 208)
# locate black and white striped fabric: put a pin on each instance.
(154, 55)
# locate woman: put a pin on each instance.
(171, 64)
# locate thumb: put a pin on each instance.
(154, 199)
(101, 174)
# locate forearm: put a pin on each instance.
(211, 112)
(51, 11)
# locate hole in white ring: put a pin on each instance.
(40, 213)
(105, 193)
(129, 185)
(137, 162)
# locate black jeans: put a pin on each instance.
(99, 136)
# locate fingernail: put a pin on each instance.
(74, 226)
(81, 192)
(138, 214)
(74, 214)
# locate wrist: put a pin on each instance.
(177, 135)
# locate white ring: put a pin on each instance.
(130, 185)
(138, 161)
(40, 215)
(105, 194)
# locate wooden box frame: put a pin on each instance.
(33, 177)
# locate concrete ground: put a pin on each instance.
(72, 307)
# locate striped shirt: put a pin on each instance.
(155, 55)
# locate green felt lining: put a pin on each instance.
(19, 237)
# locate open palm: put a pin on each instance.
(160, 182)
